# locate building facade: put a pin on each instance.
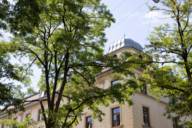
(145, 112)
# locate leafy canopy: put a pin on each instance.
(170, 73)
(65, 39)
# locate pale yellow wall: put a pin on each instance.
(157, 110)
(126, 117)
(33, 110)
(132, 116)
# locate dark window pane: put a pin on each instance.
(144, 89)
(114, 82)
(116, 116)
(175, 122)
(14, 126)
(89, 122)
(146, 118)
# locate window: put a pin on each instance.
(146, 118)
(116, 116)
(114, 82)
(172, 100)
(88, 122)
(28, 115)
(21, 118)
(175, 122)
(14, 126)
(144, 89)
(115, 56)
(40, 116)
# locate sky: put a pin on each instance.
(133, 20)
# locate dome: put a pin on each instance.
(129, 43)
(125, 43)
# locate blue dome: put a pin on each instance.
(129, 43)
(125, 43)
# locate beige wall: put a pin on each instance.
(126, 117)
(157, 110)
(33, 109)
(132, 116)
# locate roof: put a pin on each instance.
(125, 43)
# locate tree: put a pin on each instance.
(4, 7)
(9, 72)
(170, 47)
(26, 123)
(65, 38)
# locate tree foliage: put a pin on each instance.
(26, 123)
(170, 46)
(9, 74)
(4, 7)
(65, 39)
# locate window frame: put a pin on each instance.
(144, 90)
(175, 121)
(114, 124)
(87, 123)
(146, 116)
